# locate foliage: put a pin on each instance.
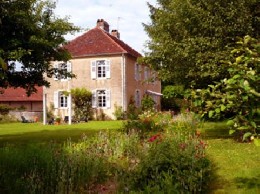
(189, 39)
(147, 103)
(119, 113)
(4, 109)
(31, 35)
(174, 163)
(81, 98)
(238, 94)
(132, 110)
(148, 122)
(47, 169)
(174, 98)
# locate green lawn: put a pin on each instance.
(38, 133)
(237, 164)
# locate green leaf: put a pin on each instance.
(243, 127)
(253, 124)
(230, 123)
(257, 142)
(223, 107)
(211, 113)
(246, 135)
(231, 131)
(217, 110)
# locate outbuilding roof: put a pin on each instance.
(19, 95)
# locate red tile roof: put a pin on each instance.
(19, 95)
(97, 42)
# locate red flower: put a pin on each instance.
(154, 137)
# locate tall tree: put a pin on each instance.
(32, 35)
(190, 39)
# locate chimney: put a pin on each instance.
(115, 33)
(103, 25)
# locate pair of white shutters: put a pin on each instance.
(57, 65)
(95, 98)
(94, 69)
(57, 95)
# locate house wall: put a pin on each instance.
(118, 63)
(29, 106)
(32, 111)
(82, 68)
(142, 85)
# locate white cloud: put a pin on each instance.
(125, 15)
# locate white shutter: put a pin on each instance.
(56, 99)
(69, 68)
(108, 99)
(93, 70)
(94, 99)
(56, 75)
(108, 69)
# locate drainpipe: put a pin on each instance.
(123, 68)
(44, 106)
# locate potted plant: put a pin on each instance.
(58, 120)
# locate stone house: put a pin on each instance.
(108, 67)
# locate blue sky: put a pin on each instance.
(125, 15)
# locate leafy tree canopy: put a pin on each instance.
(238, 95)
(32, 35)
(190, 39)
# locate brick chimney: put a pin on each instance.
(115, 33)
(103, 25)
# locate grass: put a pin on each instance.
(38, 133)
(237, 164)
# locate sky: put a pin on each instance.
(126, 16)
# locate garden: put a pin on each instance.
(155, 153)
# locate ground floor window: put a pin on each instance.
(60, 100)
(101, 98)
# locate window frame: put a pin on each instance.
(61, 101)
(100, 71)
(62, 66)
(137, 98)
(106, 96)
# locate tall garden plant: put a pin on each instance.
(238, 95)
(81, 98)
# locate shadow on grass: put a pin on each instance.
(216, 131)
(248, 183)
(45, 136)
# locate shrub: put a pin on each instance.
(119, 113)
(147, 122)
(4, 109)
(173, 163)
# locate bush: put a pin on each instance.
(4, 109)
(147, 122)
(174, 163)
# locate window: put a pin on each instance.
(101, 99)
(137, 98)
(100, 69)
(63, 101)
(146, 74)
(137, 72)
(60, 100)
(62, 67)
